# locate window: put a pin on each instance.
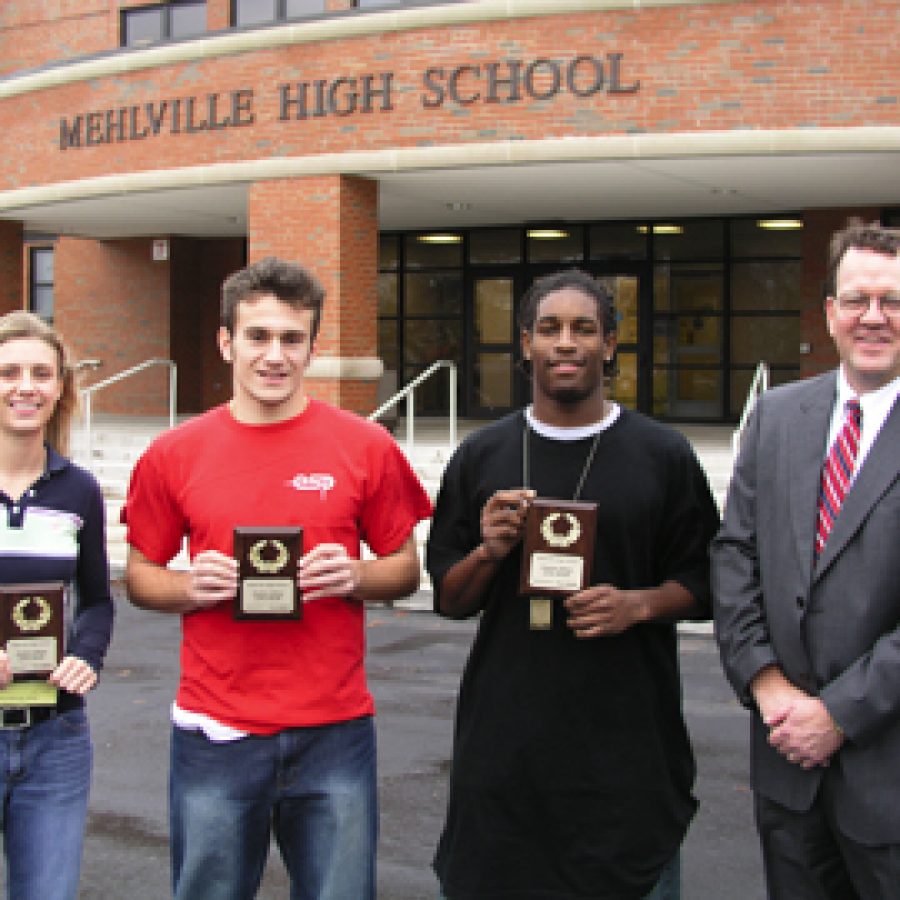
(40, 282)
(165, 21)
(262, 12)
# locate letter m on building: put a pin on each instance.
(70, 135)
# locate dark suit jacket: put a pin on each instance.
(834, 630)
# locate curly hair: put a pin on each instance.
(290, 282)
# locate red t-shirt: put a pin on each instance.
(343, 480)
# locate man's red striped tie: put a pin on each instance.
(837, 473)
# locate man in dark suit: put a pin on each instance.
(806, 577)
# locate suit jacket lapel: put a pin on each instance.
(808, 433)
(879, 471)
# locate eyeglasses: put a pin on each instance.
(857, 303)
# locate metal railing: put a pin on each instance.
(758, 385)
(87, 395)
(408, 393)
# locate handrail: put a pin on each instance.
(88, 393)
(758, 385)
(407, 392)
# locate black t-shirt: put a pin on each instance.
(572, 770)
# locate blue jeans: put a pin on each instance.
(314, 787)
(45, 772)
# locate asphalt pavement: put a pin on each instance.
(414, 663)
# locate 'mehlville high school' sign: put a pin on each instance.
(507, 82)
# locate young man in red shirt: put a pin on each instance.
(273, 719)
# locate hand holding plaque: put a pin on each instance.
(557, 554)
(267, 572)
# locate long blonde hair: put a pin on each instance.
(21, 324)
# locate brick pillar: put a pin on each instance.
(330, 224)
(112, 304)
(818, 227)
(12, 261)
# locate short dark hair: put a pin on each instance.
(290, 282)
(580, 281)
(864, 236)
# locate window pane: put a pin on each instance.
(493, 380)
(42, 301)
(682, 288)
(556, 244)
(498, 245)
(765, 286)
(427, 250)
(254, 12)
(749, 239)
(623, 387)
(775, 339)
(687, 393)
(617, 241)
(691, 287)
(433, 293)
(142, 26)
(304, 7)
(388, 251)
(387, 294)
(187, 19)
(388, 343)
(687, 340)
(493, 310)
(428, 340)
(42, 265)
(688, 240)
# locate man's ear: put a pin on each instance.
(223, 336)
(526, 344)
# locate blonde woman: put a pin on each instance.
(51, 529)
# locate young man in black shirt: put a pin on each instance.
(572, 769)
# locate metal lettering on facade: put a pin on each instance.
(511, 81)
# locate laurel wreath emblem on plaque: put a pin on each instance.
(561, 538)
(25, 622)
(268, 566)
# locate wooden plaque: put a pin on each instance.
(32, 628)
(558, 547)
(267, 572)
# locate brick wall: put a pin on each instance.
(35, 33)
(723, 66)
(112, 304)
